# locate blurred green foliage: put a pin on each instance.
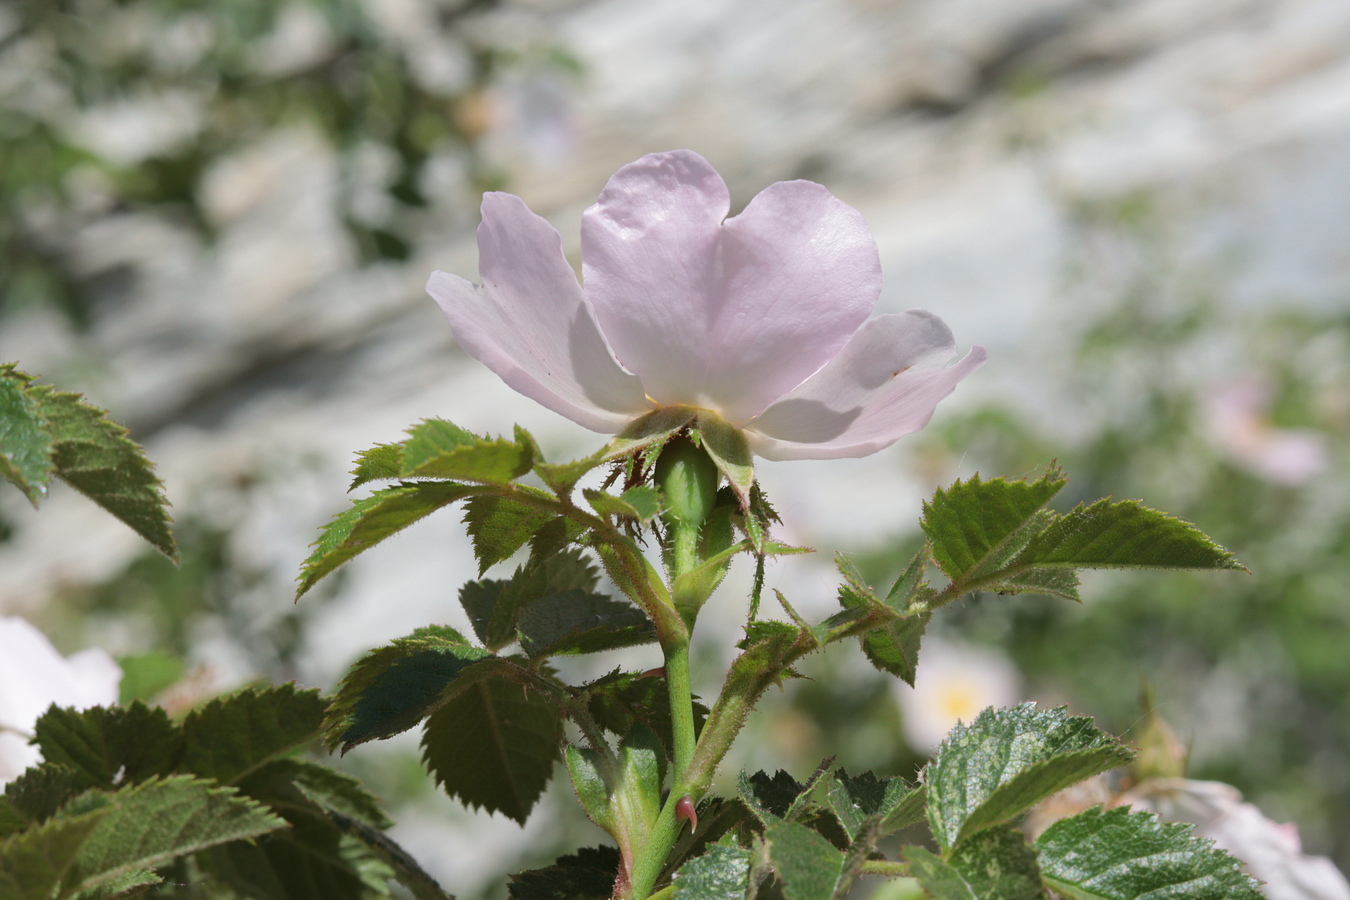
(225, 72)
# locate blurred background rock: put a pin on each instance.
(216, 220)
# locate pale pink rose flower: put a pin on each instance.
(1237, 417)
(955, 683)
(761, 318)
(33, 676)
(1271, 851)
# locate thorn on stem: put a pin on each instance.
(685, 810)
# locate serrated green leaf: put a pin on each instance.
(1120, 854)
(393, 688)
(1008, 760)
(894, 647)
(808, 865)
(722, 873)
(855, 798)
(371, 520)
(328, 789)
(41, 790)
(150, 824)
(1124, 534)
(727, 448)
(997, 864)
(562, 478)
(406, 869)
(1050, 582)
(573, 621)
(316, 858)
(500, 526)
(232, 736)
(620, 699)
(379, 463)
(769, 797)
(25, 445)
(641, 503)
(104, 745)
(94, 455)
(495, 606)
(977, 526)
(439, 449)
(11, 820)
(33, 863)
(494, 746)
(587, 874)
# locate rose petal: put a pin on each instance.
(882, 386)
(728, 316)
(530, 324)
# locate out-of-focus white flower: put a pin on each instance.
(1271, 851)
(33, 676)
(954, 683)
(1238, 424)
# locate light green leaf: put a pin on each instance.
(651, 430)
(997, 864)
(393, 688)
(25, 446)
(727, 448)
(494, 746)
(976, 527)
(642, 503)
(371, 520)
(439, 449)
(1008, 760)
(129, 743)
(587, 769)
(1050, 582)
(232, 736)
(150, 824)
(34, 862)
(809, 866)
(1125, 534)
(573, 621)
(379, 463)
(500, 526)
(95, 456)
(894, 647)
(721, 873)
(1120, 854)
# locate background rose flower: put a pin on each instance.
(761, 318)
(33, 676)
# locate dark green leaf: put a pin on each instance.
(727, 448)
(41, 790)
(500, 526)
(108, 745)
(978, 526)
(407, 870)
(25, 446)
(894, 647)
(1123, 534)
(494, 745)
(573, 621)
(391, 689)
(586, 875)
(327, 788)
(769, 798)
(1124, 855)
(440, 449)
(371, 520)
(495, 607)
(11, 820)
(808, 865)
(379, 463)
(855, 799)
(620, 699)
(150, 824)
(95, 456)
(997, 864)
(1008, 760)
(722, 873)
(231, 736)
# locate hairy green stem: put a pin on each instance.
(681, 707)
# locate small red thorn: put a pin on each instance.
(685, 810)
(658, 672)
